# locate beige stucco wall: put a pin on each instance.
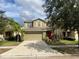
(39, 23)
(36, 23)
(27, 25)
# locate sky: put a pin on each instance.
(22, 10)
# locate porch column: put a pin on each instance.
(44, 35)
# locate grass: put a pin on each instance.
(8, 43)
(64, 50)
(68, 42)
(55, 43)
(50, 42)
(60, 42)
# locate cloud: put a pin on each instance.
(11, 14)
(33, 7)
(12, 9)
(9, 7)
(23, 9)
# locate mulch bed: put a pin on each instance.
(68, 50)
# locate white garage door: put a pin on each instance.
(33, 36)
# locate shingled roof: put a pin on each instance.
(30, 21)
(35, 29)
(39, 19)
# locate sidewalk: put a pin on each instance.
(7, 47)
(34, 48)
(61, 46)
(52, 57)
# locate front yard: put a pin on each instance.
(9, 43)
(65, 50)
(68, 42)
(60, 42)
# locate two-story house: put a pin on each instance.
(35, 28)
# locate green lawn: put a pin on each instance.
(68, 42)
(60, 42)
(9, 43)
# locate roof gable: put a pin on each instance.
(30, 21)
(39, 19)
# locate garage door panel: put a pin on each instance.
(33, 36)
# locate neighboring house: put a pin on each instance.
(9, 33)
(1, 37)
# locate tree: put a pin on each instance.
(14, 24)
(7, 20)
(2, 22)
(62, 13)
(8, 24)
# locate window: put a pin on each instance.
(39, 24)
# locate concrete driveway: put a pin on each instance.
(35, 48)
